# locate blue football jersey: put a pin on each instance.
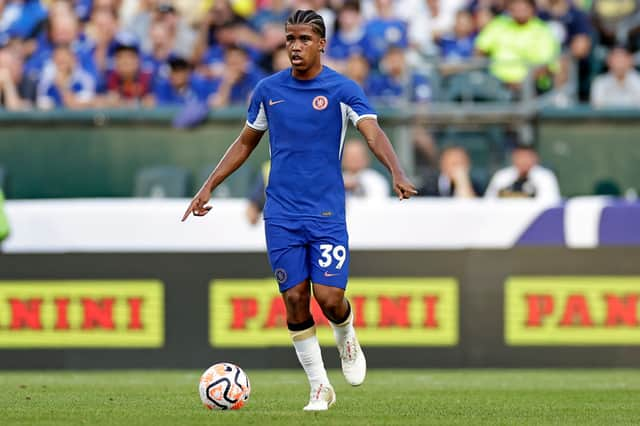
(307, 121)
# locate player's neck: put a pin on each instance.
(308, 74)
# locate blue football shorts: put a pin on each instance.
(308, 249)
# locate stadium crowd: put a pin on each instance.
(127, 53)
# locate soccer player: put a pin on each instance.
(306, 108)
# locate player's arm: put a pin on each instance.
(379, 144)
(235, 156)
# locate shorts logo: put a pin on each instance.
(320, 102)
(281, 275)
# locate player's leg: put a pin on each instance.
(338, 311)
(303, 334)
(329, 264)
(288, 258)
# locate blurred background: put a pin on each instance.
(518, 121)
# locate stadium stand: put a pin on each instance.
(206, 56)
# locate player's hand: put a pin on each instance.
(403, 187)
(198, 205)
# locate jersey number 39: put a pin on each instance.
(329, 253)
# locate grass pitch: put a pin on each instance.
(406, 397)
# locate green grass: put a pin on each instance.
(406, 397)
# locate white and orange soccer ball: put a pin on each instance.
(224, 386)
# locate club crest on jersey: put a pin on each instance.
(320, 102)
(281, 275)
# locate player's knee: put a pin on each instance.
(296, 299)
(332, 305)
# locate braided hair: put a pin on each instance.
(308, 17)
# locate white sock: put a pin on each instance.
(309, 355)
(342, 330)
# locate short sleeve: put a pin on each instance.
(356, 103)
(256, 116)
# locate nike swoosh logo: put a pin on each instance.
(272, 102)
(328, 275)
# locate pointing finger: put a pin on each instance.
(187, 213)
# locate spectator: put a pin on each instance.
(182, 36)
(384, 31)
(454, 179)
(572, 29)
(396, 83)
(21, 18)
(101, 30)
(518, 43)
(62, 28)
(64, 83)
(128, 84)
(459, 45)
(236, 33)
(209, 44)
(524, 179)
(428, 21)
(349, 38)
(484, 11)
(182, 86)
(277, 13)
(569, 24)
(161, 44)
(17, 91)
(359, 179)
(617, 22)
(358, 70)
(620, 87)
(238, 81)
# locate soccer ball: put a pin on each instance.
(224, 386)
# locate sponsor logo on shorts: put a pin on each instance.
(281, 275)
(320, 102)
(329, 275)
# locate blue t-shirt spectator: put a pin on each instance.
(574, 22)
(384, 33)
(197, 90)
(241, 91)
(157, 67)
(21, 19)
(453, 48)
(81, 83)
(214, 55)
(341, 48)
(82, 47)
(85, 54)
(385, 89)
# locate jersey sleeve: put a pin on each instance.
(256, 116)
(356, 103)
